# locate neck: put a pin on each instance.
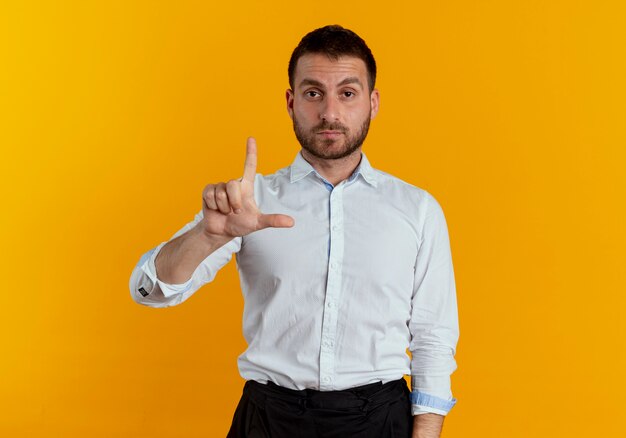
(334, 171)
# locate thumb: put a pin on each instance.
(275, 221)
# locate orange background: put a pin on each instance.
(116, 114)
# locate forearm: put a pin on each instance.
(179, 258)
(427, 425)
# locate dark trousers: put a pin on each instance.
(369, 411)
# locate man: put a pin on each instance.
(352, 267)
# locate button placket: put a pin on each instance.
(333, 289)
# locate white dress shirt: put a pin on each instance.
(335, 301)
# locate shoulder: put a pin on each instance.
(391, 185)
(418, 202)
(273, 181)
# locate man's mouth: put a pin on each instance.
(330, 134)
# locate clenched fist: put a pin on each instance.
(230, 210)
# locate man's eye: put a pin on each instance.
(312, 93)
(348, 93)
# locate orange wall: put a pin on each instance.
(114, 115)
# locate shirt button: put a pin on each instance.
(329, 304)
(326, 379)
(336, 227)
(333, 265)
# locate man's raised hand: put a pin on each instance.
(230, 209)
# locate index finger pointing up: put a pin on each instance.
(249, 169)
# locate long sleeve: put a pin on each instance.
(434, 321)
(147, 289)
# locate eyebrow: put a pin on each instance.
(351, 80)
(312, 82)
(346, 81)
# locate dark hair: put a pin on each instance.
(334, 41)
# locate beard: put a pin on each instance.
(322, 147)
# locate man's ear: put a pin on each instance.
(374, 103)
(289, 97)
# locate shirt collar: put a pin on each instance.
(301, 168)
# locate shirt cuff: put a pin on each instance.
(174, 289)
(148, 266)
(423, 403)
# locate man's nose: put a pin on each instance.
(330, 110)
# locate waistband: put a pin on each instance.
(358, 398)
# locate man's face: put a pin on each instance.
(331, 105)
